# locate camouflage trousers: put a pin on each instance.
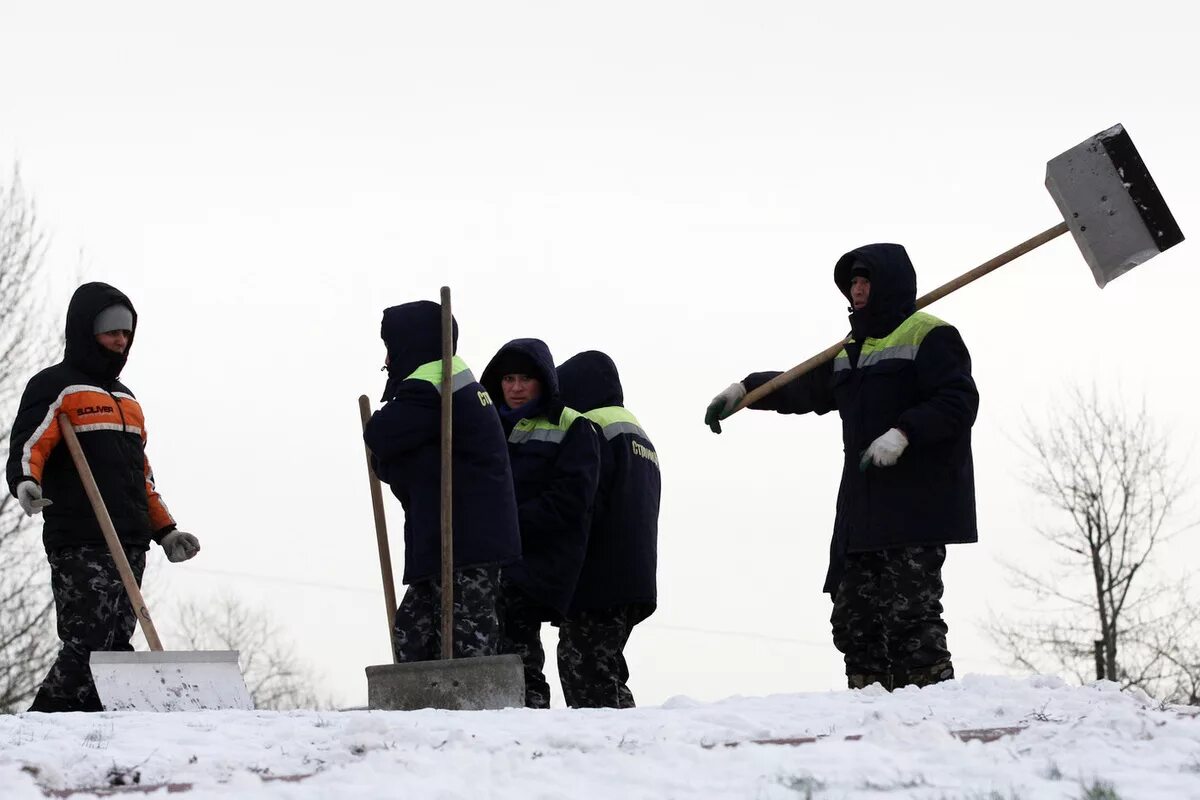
(521, 633)
(887, 618)
(417, 635)
(591, 658)
(94, 613)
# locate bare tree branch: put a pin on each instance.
(1107, 471)
(28, 342)
(275, 676)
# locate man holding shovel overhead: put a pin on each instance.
(902, 385)
(403, 438)
(92, 607)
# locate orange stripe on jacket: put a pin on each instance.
(91, 408)
(83, 404)
(160, 516)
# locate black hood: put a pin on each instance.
(412, 333)
(893, 288)
(589, 380)
(538, 352)
(82, 350)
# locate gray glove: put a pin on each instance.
(722, 406)
(180, 545)
(29, 495)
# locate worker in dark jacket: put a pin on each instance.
(902, 385)
(555, 456)
(92, 608)
(404, 438)
(616, 587)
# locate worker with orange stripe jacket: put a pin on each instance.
(93, 611)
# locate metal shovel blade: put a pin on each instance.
(170, 680)
(459, 684)
(1111, 204)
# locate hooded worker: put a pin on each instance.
(92, 608)
(404, 439)
(617, 585)
(555, 456)
(902, 385)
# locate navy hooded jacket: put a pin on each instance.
(555, 457)
(111, 428)
(901, 369)
(622, 556)
(404, 438)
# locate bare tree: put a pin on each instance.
(274, 675)
(27, 343)
(1100, 609)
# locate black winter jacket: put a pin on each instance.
(900, 369)
(404, 438)
(109, 423)
(622, 555)
(555, 457)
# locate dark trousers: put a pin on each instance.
(887, 617)
(93, 613)
(591, 657)
(417, 635)
(521, 620)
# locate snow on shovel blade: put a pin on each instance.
(1111, 204)
(170, 680)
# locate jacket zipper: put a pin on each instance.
(121, 411)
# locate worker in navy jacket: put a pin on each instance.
(554, 452)
(404, 438)
(903, 388)
(616, 588)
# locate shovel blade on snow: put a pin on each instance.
(460, 684)
(1111, 204)
(170, 680)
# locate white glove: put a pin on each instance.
(885, 451)
(180, 545)
(29, 495)
(722, 406)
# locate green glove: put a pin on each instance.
(723, 405)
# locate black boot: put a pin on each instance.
(923, 676)
(45, 702)
(862, 680)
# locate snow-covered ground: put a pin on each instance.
(1073, 742)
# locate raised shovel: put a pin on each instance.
(1109, 203)
(159, 680)
(467, 684)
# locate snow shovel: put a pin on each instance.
(177, 680)
(1108, 201)
(381, 536)
(477, 683)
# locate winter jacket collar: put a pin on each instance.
(893, 288)
(82, 350)
(412, 333)
(589, 380)
(537, 351)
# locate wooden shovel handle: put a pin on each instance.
(447, 477)
(381, 535)
(831, 352)
(110, 533)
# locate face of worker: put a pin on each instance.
(520, 389)
(115, 341)
(860, 292)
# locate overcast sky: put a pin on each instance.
(668, 182)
